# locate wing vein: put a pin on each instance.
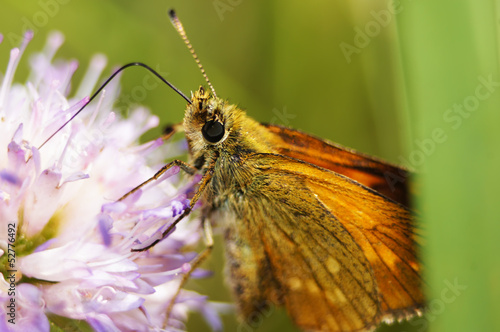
(360, 316)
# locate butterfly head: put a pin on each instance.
(212, 125)
(208, 121)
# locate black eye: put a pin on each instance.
(213, 131)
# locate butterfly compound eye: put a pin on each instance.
(213, 131)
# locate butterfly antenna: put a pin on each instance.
(132, 64)
(180, 29)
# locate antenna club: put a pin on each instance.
(171, 13)
(182, 33)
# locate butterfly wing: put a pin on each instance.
(387, 179)
(336, 254)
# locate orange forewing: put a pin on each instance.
(387, 179)
(380, 229)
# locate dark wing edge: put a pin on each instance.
(383, 177)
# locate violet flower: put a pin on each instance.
(73, 266)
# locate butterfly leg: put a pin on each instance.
(195, 263)
(202, 185)
(183, 165)
(170, 130)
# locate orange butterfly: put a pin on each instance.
(308, 225)
(337, 254)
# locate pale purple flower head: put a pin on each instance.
(73, 240)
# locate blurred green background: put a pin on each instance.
(413, 82)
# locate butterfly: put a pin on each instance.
(322, 230)
(308, 225)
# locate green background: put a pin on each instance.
(393, 97)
